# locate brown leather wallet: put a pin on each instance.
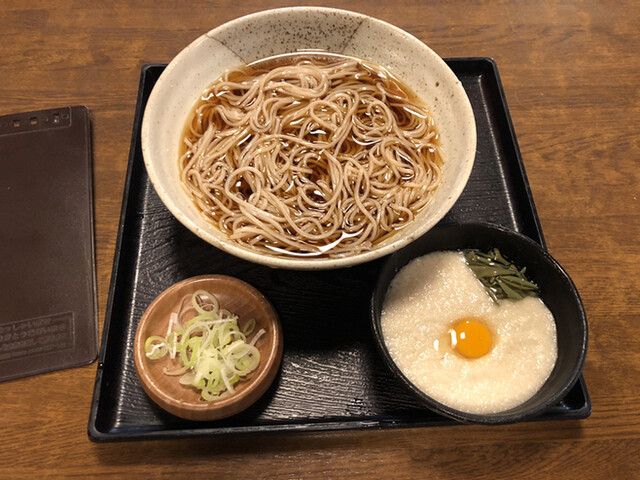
(48, 318)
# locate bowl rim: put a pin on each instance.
(295, 262)
(498, 418)
(259, 383)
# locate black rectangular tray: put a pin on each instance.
(332, 376)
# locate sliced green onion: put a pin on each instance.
(249, 327)
(155, 347)
(205, 302)
(211, 351)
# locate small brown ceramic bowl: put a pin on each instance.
(184, 401)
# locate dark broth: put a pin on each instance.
(262, 66)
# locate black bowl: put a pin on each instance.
(557, 291)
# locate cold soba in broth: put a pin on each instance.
(310, 155)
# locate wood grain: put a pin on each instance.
(570, 72)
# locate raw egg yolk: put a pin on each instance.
(472, 339)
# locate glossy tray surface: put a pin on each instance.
(332, 376)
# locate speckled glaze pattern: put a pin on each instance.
(287, 30)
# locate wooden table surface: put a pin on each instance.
(570, 71)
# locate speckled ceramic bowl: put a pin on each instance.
(287, 30)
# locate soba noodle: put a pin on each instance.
(314, 156)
